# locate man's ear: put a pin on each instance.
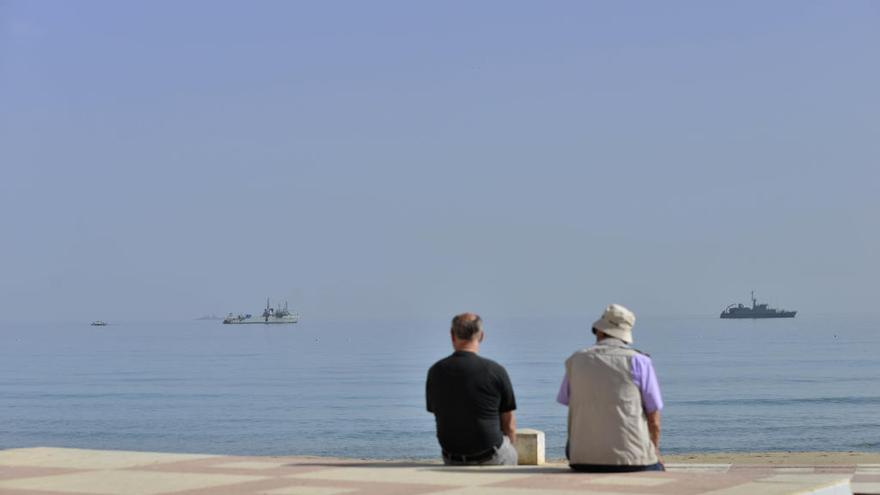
(452, 336)
(481, 336)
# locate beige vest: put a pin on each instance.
(606, 422)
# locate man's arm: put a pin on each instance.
(507, 404)
(508, 425)
(428, 404)
(652, 401)
(564, 392)
(654, 431)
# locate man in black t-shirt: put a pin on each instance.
(472, 400)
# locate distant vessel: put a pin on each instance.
(99, 323)
(270, 316)
(756, 311)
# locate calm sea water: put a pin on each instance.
(347, 388)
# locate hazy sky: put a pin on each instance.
(168, 159)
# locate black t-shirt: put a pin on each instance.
(467, 394)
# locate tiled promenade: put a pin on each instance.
(45, 471)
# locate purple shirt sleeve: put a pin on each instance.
(562, 396)
(645, 378)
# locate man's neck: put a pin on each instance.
(468, 347)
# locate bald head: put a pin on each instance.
(467, 326)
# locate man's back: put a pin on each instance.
(613, 401)
(467, 393)
(607, 424)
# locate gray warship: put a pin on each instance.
(277, 315)
(756, 311)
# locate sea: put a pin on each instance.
(355, 388)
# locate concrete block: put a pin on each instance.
(529, 447)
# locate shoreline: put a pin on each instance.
(769, 458)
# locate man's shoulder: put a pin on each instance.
(442, 363)
(581, 352)
(457, 360)
(490, 363)
(600, 349)
(642, 358)
(467, 361)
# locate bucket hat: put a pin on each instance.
(617, 322)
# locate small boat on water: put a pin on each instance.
(99, 323)
(756, 311)
(277, 315)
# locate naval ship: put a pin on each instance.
(756, 311)
(270, 316)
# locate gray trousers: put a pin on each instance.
(505, 455)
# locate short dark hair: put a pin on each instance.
(466, 326)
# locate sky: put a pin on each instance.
(166, 160)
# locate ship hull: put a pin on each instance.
(261, 321)
(781, 314)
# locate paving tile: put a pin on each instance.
(552, 482)
(751, 469)
(246, 488)
(701, 483)
(678, 483)
(7, 473)
(705, 468)
(249, 465)
(484, 490)
(129, 482)
(849, 470)
(284, 483)
(759, 488)
(237, 465)
(371, 488)
(7, 491)
(795, 470)
(460, 476)
(629, 480)
(308, 490)
(86, 459)
(801, 478)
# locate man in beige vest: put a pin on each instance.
(613, 401)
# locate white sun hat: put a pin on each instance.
(617, 322)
